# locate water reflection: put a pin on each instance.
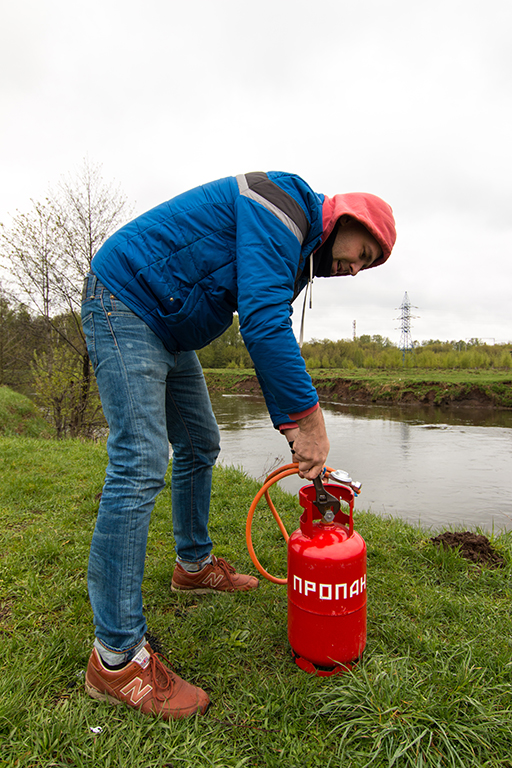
(405, 437)
(442, 468)
(427, 415)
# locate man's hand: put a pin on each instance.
(291, 435)
(310, 444)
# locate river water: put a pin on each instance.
(439, 468)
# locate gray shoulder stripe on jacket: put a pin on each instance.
(258, 187)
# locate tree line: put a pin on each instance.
(370, 352)
(45, 254)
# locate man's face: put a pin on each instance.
(354, 249)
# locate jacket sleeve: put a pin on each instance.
(268, 257)
(277, 416)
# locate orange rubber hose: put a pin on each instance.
(274, 477)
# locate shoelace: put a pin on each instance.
(225, 567)
(161, 675)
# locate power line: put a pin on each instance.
(406, 342)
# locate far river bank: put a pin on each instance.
(454, 388)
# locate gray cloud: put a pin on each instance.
(406, 100)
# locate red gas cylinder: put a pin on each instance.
(326, 586)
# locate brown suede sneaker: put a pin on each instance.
(145, 684)
(217, 576)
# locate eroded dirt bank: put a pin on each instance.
(392, 391)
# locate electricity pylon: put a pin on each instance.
(406, 342)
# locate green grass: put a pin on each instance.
(453, 376)
(433, 689)
(19, 416)
(230, 376)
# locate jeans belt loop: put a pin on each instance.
(89, 286)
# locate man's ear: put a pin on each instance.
(343, 220)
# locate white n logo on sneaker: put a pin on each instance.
(213, 580)
(135, 690)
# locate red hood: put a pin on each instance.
(371, 211)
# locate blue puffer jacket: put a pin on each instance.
(237, 244)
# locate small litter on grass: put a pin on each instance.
(474, 547)
(96, 729)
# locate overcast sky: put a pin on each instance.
(409, 100)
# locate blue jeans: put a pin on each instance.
(150, 397)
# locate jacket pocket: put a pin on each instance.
(198, 321)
